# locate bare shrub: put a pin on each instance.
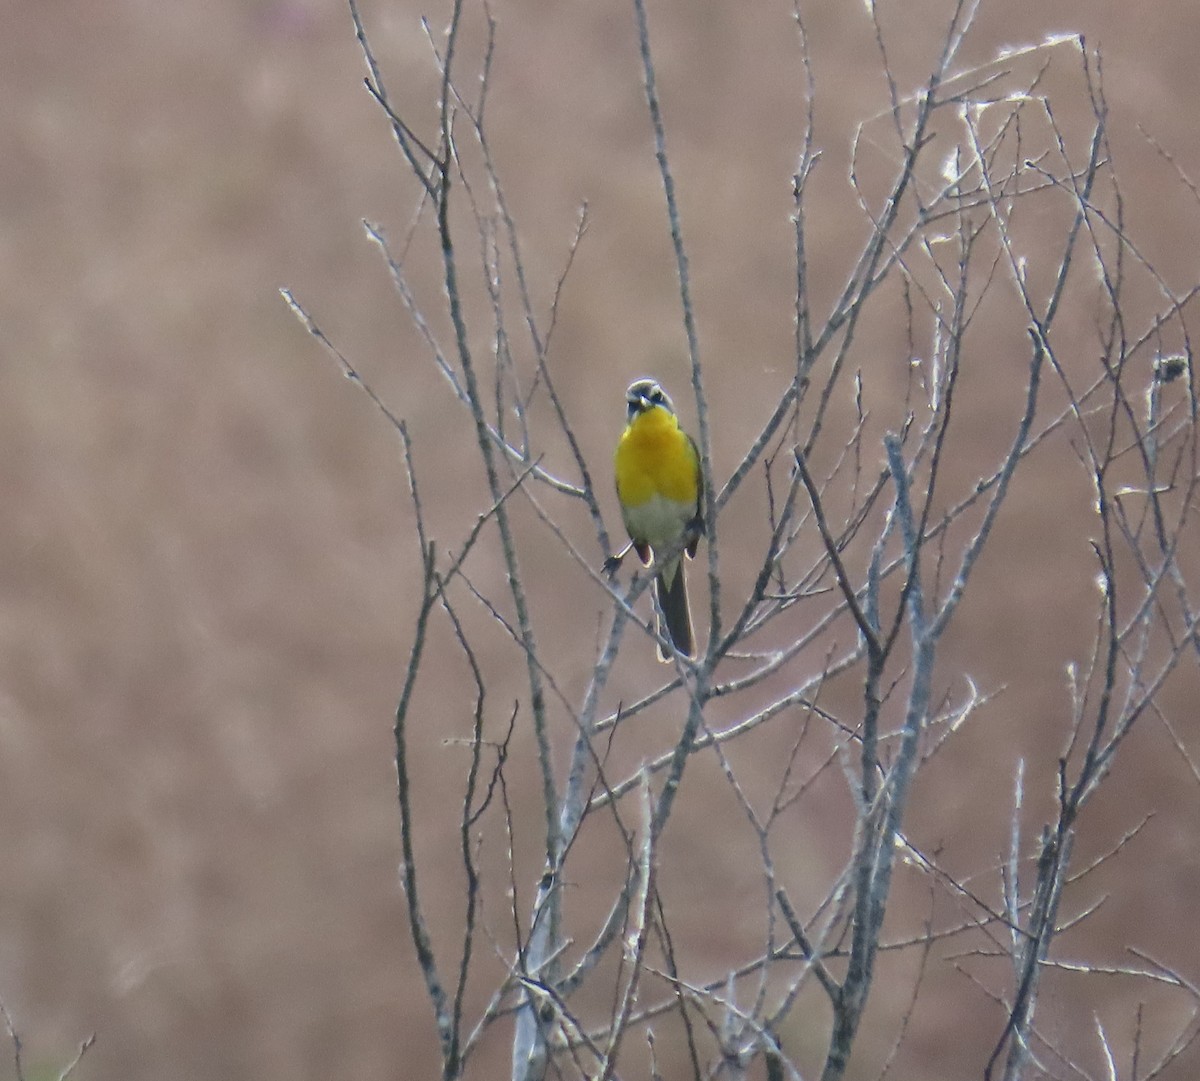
(873, 511)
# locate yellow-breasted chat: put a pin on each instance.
(660, 491)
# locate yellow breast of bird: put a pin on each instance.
(655, 458)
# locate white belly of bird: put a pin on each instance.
(658, 521)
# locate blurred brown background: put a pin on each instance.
(206, 558)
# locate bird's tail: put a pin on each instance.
(676, 623)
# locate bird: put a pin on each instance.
(660, 491)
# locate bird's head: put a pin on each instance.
(644, 395)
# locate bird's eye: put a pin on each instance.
(657, 396)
